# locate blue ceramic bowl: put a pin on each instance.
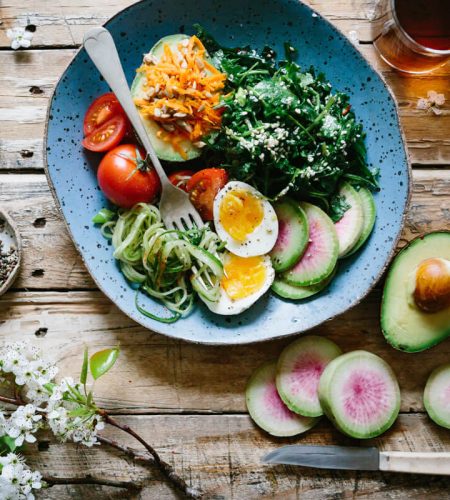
(72, 171)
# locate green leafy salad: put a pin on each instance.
(283, 130)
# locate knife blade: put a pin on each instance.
(326, 457)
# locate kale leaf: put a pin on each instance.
(283, 130)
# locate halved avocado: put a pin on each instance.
(163, 149)
(405, 326)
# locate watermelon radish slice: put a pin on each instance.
(287, 291)
(266, 408)
(370, 213)
(320, 257)
(293, 234)
(436, 396)
(350, 227)
(299, 368)
(359, 393)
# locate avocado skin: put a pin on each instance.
(441, 241)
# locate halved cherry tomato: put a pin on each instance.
(108, 135)
(126, 177)
(100, 111)
(203, 187)
(180, 178)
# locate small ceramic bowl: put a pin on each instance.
(10, 237)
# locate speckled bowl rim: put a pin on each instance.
(237, 341)
(12, 277)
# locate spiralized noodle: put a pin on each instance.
(169, 265)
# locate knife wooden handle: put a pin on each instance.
(416, 463)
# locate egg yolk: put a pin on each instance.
(240, 213)
(243, 276)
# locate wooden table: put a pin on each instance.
(188, 399)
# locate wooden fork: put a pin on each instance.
(176, 209)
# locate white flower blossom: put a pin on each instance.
(23, 424)
(436, 98)
(17, 480)
(432, 102)
(422, 103)
(20, 37)
(65, 415)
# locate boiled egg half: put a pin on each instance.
(245, 220)
(244, 281)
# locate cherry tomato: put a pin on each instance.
(203, 187)
(126, 177)
(100, 111)
(108, 135)
(180, 178)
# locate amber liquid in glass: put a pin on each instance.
(418, 29)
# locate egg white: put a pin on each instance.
(226, 306)
(262, 239)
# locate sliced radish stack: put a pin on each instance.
(299, 368)
(349, 228)
(436, 396)
(359, 393)
(284, 289)
(370, 213)
(319, 259)
(268, 410)
(293, 234)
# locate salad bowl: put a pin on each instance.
(71, 171)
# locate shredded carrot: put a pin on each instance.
(183, 93)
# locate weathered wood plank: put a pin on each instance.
(50, 260)
(29, 78)
(222, 455)
(158, 374)
(64, 23)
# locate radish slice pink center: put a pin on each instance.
(306, 375)
(284, 234)
(445, 400)
(315, 247)
(366, 397)
(274, 404)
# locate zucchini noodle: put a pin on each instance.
(169, 265)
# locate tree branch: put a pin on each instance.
(163, 466)
(11, 401)
(52, 481)
(135, 455)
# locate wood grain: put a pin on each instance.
(222, 454)
(64, 23)
(158, 375)
(50, 259)
(188, 399)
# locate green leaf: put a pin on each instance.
(90, 398)
(104, 215)
(49, 387)
(84, 368)
(103, 361)
(79, 412)
(7, 444)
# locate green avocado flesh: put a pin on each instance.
(164, 150)
(404, 325)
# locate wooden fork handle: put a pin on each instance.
(416, 463)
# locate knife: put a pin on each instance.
(356, 458)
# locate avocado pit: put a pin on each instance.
(432, 287)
